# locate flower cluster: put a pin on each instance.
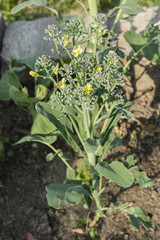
(84, 82)
(86, 78)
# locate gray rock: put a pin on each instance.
(2, 27)
(24, 39)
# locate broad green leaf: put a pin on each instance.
(87, 198)
(143, 180)
(71, 111)
(46, 110)
(152, 32)
(4, 88)
(20, 97)
(147, 45)
(41, 125)
(29, 3)
(25, 4)
(37, 138)
(116, 172)
(91, 145)
(152, 52)
(70, 193)
(29, 62)
(141, 177)
(7, 80)
(135, 40)
(113, 141)
(127, 113)
(129, 161)
(131, 8)
(70, 174)
(137, 215)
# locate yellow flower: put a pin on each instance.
(77, 51)
(98, 68)
(102, 31)
(33, 74)
(56, 69)
(65, 41)
(88, 88)
(62, 83)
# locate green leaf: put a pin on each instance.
(70, 174)
(135, 40)
(4, 88)
(41, 125)
(131, 7)
(91, 145)
(71, 111)
(143, 180)
(25, 4)
(29, 3)
(152, 52)
(116, 2)
(152, 32)
(70, 193)
(129, 161)
(46, 110)
(20, 97)
(147, 45)
(29, 62)
(141, 177)
(127, 113)
(116, 172)
(112, 121)
(8, 79)
(113, 141)
(36, 138)
(137, 215)
(50, 157)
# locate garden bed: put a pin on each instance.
(24, 173)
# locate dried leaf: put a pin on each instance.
(30, 236)
(151, 130)
(77, 231)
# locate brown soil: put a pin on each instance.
(23, 176)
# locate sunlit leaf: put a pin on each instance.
(137, 215)
(116, 172)
(70, 193)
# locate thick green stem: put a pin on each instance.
(76, 129)
(85, 121)
(58, 51)
(98, 114)
(53, 80)
(93, 8)
(96, 196)
(135, 55)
